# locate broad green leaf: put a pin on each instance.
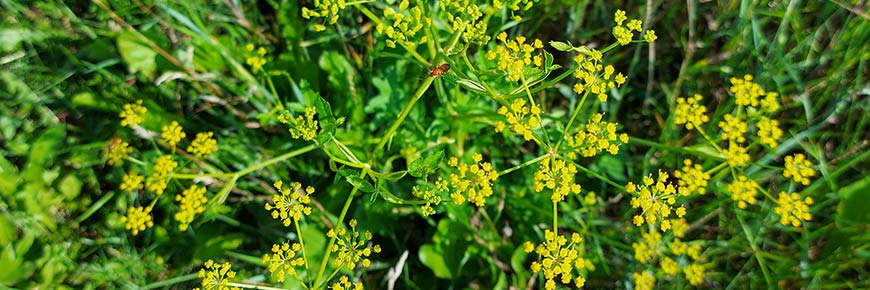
(854, 202)
(360, 183)
(423, 166)
(561, 46)
(434, 261)
(138, 56)
(70, 186)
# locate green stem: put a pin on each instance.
(172, 281)
(599, 176)
(404, 114)
(573, 117)
(555, 217)
(251, 168)
(524, 164)
(341, 217)
(274, 92)
(302, 243)
(675, 149)
(252, 286)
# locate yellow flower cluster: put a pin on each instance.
(593, 77)
(692, 179)
(695, 274)
(159, 179)
(644, 280)
(133, 114)
(733, 129)
(624, 33)
(798, 168)
(792, 210)
(472, 181)
(344, 283)
(691, 112)
(256, 59)
(736, 155)
(304, 127)
(137, 219)
(557, 258)
(327, 9)
(768, 132)
(132, 181)
(284, 259)
(647, 248)
(402, 26)
(555, 174)
(465, 15)
(216, 276)
(350, 248)
(290, 204)
(515, 6)
(191, 202)
(743, 190)
(204, 145)
(596, 136)
(430, 195)
(172, 134)
(118, 151)
(522, 119)
(515, 54)
(746, 93)
(655, 198)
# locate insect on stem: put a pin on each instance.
(439, 70)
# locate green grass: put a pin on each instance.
(67, 69)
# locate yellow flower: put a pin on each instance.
(522, 119)
(593, 77)
(691, 112)
(466, 16)
(133, 114)
(644, 281)
(557, 258)
(559, 177)
(191, 202)
(770, 103)
(695, 274)
(351, 248)
(746, 93)
(655, 198)
(118, 151)
(624, 34)
(692, 179)
(669, 266)
(430, 195)
(132, 181)
(733, 129)
(216, 276)
(596, 136)
(648, 247)
(255, 59)
(736, 155)
(304, 127)
(290, 204)
(204, 145)
(137, 219)
(473, 181)
(285, 259)
(344, 283)
(404, 26)
(650, 36)
(172, 134)
(326, 9)
(798, 168)
(743, 191)
(768, 132)
(515, 54)
(159, 179)
(792, 210)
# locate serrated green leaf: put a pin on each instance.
(359, 182)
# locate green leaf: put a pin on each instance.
(422, 166)
(70, 186)
(138, 56)
(434, 261)
(471, 85)
(561, 46)
(360, 183)
(854, 202)
(325, 117)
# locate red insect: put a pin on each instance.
(439, 70)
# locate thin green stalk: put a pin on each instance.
(555, 217)
(573, 117)
(404, 113)
(332, 240)
(274, 92)
(304, 254)
(251, 168)
(252, 286)
(674, 148)
(524, 164)
(172, 281)
(596, 175)
(755, 251)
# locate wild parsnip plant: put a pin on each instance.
(398, 144)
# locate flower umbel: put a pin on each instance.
(216, 276)
(351, 248)
(304, 127)
(159, 179)
(746, 93)
(403, 25)
(118, 151)
(284, 259)
(522, 119)
(172, 134)
(344, 283)
(595, 137)
(692, 178)
(792, 210)
(137, 219)
(132, 181)
(655, 198)
(768, 132)
(743, 191)
(689, 111)
(473, 181)
(515, 54)
(557, 258)
(798, 168)
(625, 33)
(192, 202)
(204, 145)
(290, 204)
(592, 77)
(256, 59)
(133, 114)
(326, 9)
(555, 174)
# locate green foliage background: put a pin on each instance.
(66, 69)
